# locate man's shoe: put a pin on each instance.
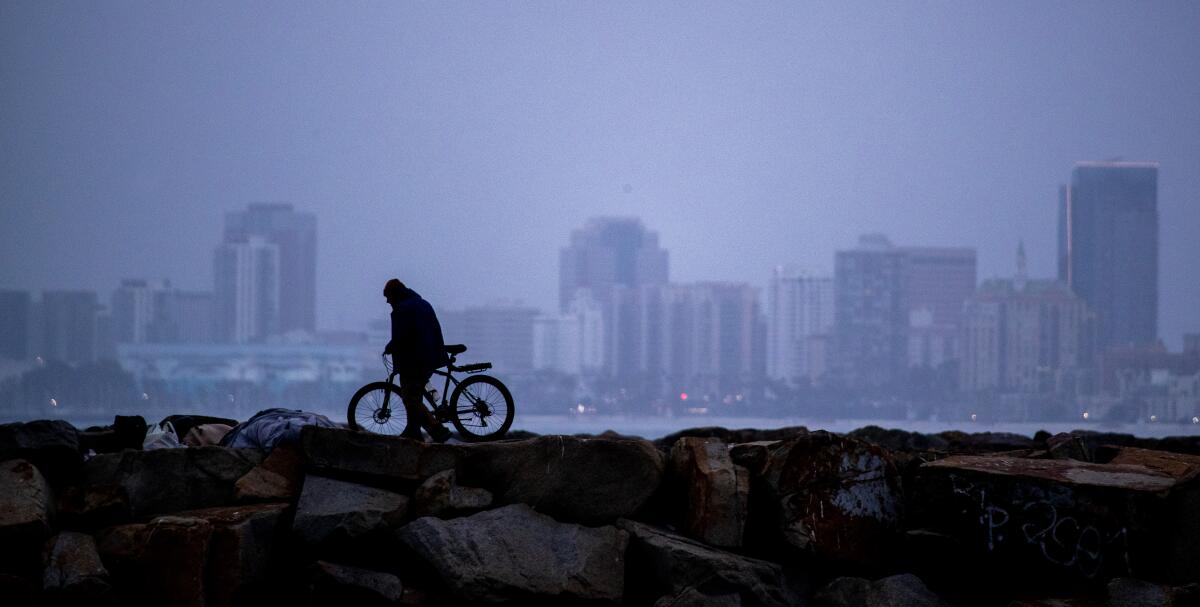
(440, 434)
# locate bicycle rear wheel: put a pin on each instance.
(367, 410)
(483, 408)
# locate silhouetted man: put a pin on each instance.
(417, 349)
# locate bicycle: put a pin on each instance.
(485, 414)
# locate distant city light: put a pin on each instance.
(974, 417)
(54, 402)
(1153, 418)
(1196, 420)
(39, 360)
(683, 396)
(1086, 415)
(580, 408)
(145, 396)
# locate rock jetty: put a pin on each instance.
(707, 516)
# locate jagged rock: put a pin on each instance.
(241, 550)
(52, 446)
(333, 584)
(692, 597)
(1128, 592)
(1055, 522)
(895, 440)
(680, 568)
(1065, 445)
(332, 512)
(515, 553)
(73, 573)
(985, 442)
(730, 437)
(589, 481)
(441, 496)
(830, 496)
(170, 480)
(278, 478)
(362, 455)
(174, 559)
(905, 590)
(26, 515)
(711, 491)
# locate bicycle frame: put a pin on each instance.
(438, 409)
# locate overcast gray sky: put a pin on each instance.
(456, 145)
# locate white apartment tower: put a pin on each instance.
(800, 310)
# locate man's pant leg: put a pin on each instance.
(412, 392)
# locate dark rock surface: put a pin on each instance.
(169, 480)
(52, 446)
(896, 591)
(589, 481)
(514, 553)
(708, 516)
(686, 571)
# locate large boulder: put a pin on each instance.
(514, 553)
(374, 457)
(73, 572)
(829, 496)
(277, 479)
(711, 491)
(686, 572)
(590, 481)
(336, 513)
(333, 584)
(26, 511)
(162, 562)
(441, 496)
(905, 590)
(1053, 523)
(169, 480)
(51, 445)
(241, 551)
(1128, 592)
(730, 437)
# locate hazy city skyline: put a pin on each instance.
(457, 148)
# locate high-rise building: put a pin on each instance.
(68, 320)
(1026, 336)
(610, 252)
(134, 309)
(247, 290)
(707, 338)
(15, 322)
(183, 317)
(573, 341)
(499, 333)
(937, 281)
(870, 318)
(295, 236)
(799, 319)
(1108, 247)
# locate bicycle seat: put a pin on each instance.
(455, 349)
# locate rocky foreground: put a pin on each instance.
(704, 517)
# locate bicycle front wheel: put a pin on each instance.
(377, 407)
(483, 408)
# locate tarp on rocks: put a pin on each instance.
(272, 427)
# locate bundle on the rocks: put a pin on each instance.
(705, 517)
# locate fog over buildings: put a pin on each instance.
(874, 211)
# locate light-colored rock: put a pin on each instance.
(441, 496)
(515, 553)
(348, 454)
(331, 511)
(277, 479)
(73, 570)
(711, 491)
(170, 480)
(26, 504)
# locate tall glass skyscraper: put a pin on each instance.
(1108, 247)
(295, 235)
